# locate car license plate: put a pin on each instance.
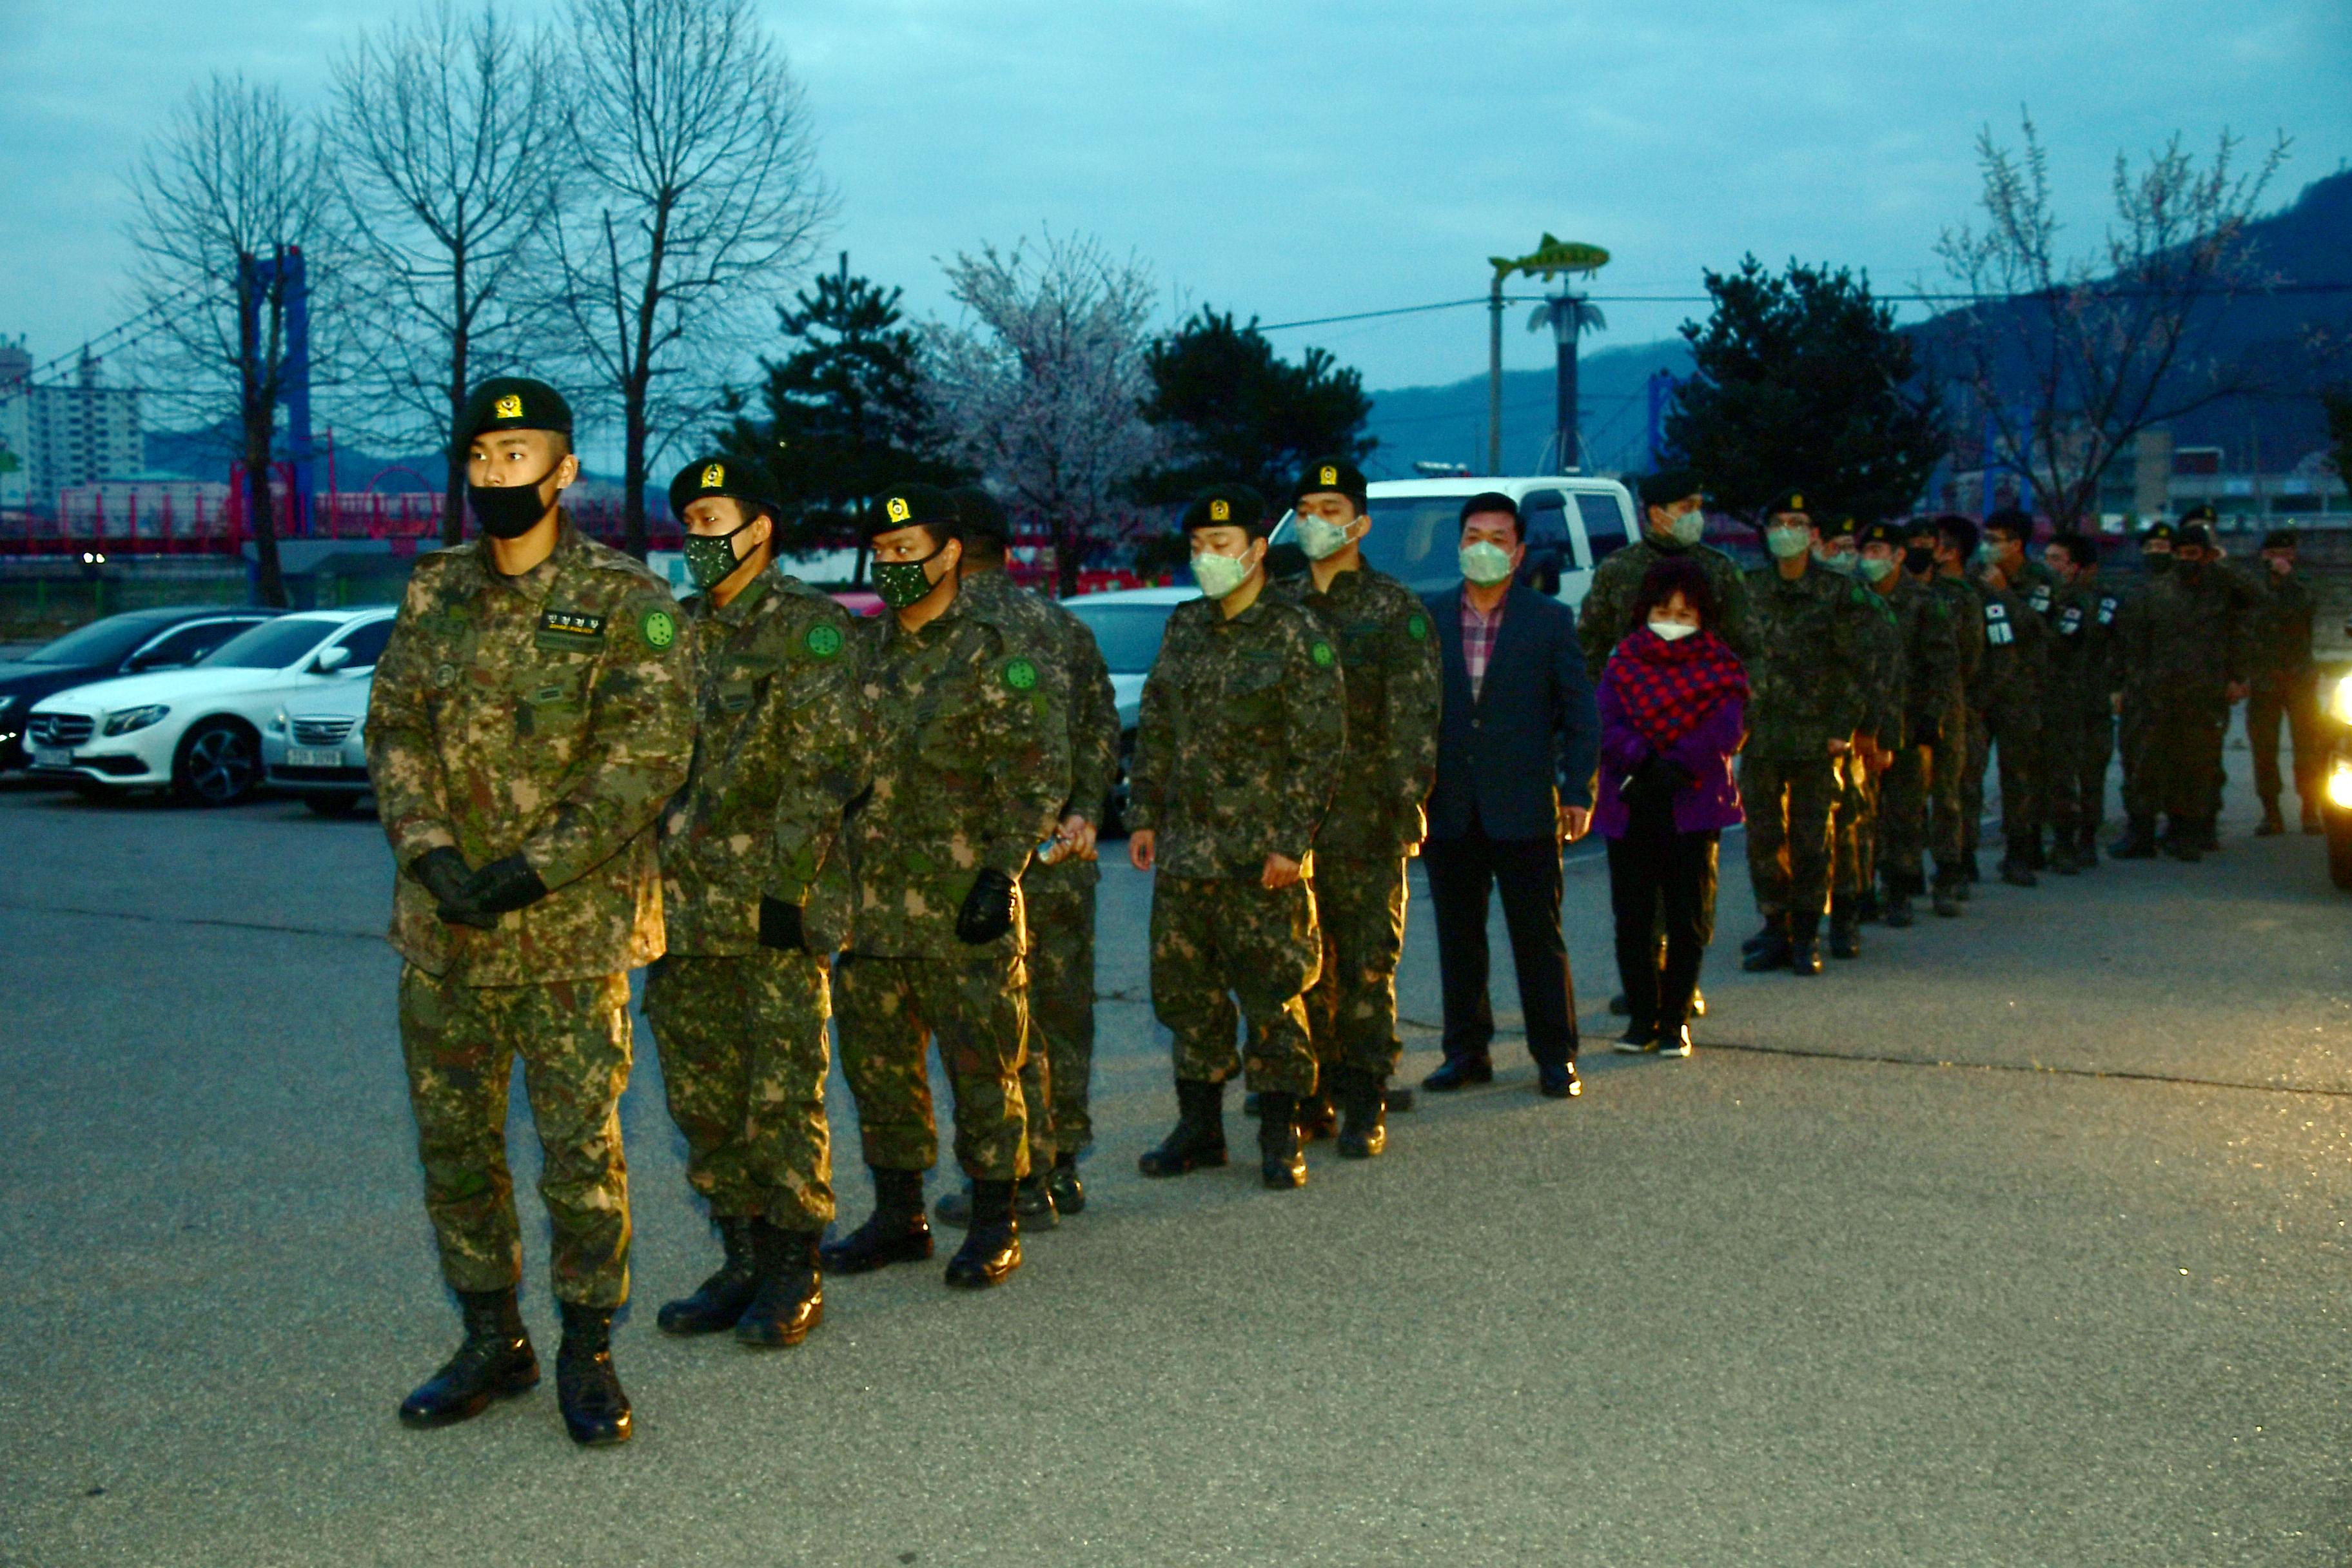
(314, 757)
(53, 757)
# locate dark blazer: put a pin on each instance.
(1529, 745)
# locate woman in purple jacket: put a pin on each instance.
(1673, 710)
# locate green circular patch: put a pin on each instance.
(823, 639)
(1322, 655)
(1020, 675)
(1417, 629)
(659, 627)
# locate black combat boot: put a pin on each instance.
(1069, 1192)
(2311, 822)
(1804, 945)
(895, 1232)
(789, 1300)
(494, 1362)
(1945, 896)
(2180, 835)
(1867, 907)
(1033, 1201)
(1319, 1113)
(595, 1410)
(2061, 861)
(1363, 1101)
(718, 1300)
(1769, 948)
(2086, 849)
(1199, 1140)
(2017, 874)
(2209, 832)
(1970, 874)
(2272, 824)
(2138, 842)
(1895, 907)
(1280, 1159)
(1845, 929)
(992, 1248)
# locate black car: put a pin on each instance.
(128, 644)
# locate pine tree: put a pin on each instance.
(1229, 408)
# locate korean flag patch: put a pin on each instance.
(1997, 631)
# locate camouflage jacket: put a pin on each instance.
(1093, 705)
(2039, 586)
(966, 764)
(1606, 615)
(2283, 619)
(1929, 660)
(2179, 641)
(1964, 607)
(1389, 659)
(1244, 724)
(1881, 672)
(2079, 675)
(550, 715)
(2015, 648)
(774, 763)
(1806, 674)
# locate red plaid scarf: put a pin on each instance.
(1667, 688)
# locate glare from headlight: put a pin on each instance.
(132, 719)
(2339, 787)
(6, 705)
(278, 722)
(2339, 701)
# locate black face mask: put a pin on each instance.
(2158, 565)
(509, 511)
(1919, 560)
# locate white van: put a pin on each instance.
(1571, 523)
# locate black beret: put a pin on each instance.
(513, 403)
(1894, 534)
(1228, 506)
(1663, 487)
(2201, 512)
(1334, 474)
(2281, 539)
(984, 515)
(1786, 501)
(2016, 524)
(728, 477)
(1838, 527)
(914, 506)
(2195, 534)
(2158, 530)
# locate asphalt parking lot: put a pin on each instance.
(2020, 1240)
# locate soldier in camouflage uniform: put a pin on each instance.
(2285, 686)
(1374, 823)
(1853, 850)
(2015, 650)
(968, 763)
(1058, 891)
(2077, 703)
(1244, 721)
(2131, 711)
(1673, 518)
(1807, 700)
(1943, 572)
(2184, 645)
(739, 1003)
(529, 715)
(1925, 688)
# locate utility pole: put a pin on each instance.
(1662, 388)
(1550, 259)
(1494, 372)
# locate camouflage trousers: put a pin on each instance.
(1218, 938)
(2132, 732)
(1972, 777)
(1903, 819)
(2180, 759)
(2075, 748)
(2015, 732)
(743, 1057)
(459, 1043)
(1854, 848)
(889, 1010)
(1945, 764)
(1351, 1007)
(1792, 804)
(1060, 901)
(2292, 698)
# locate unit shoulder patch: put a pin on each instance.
(1416, 627)
(1020, 674)
(823, 641)
(660, 629)
(1321, 653)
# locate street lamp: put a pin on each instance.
(1567, 313)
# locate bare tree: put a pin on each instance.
(1041, 386)
(448, 131)
(2069, 358)
(702, 200)
(226, 200)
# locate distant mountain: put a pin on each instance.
(2305, 251)
(207, 455)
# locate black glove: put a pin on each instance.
(987, 911)
(498, 888)
(443, 873)
(780, 926)
(1654, 782)
(1927, 732)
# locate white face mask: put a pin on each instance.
(1673, 631)
(1686, 527)
(1486, 564)
(1220, 574)
(1319, 537)
(1788, 542)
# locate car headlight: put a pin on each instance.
(278, 722)
(132, 719)
(2339, 787)
(7, 705)
(2339, 701)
